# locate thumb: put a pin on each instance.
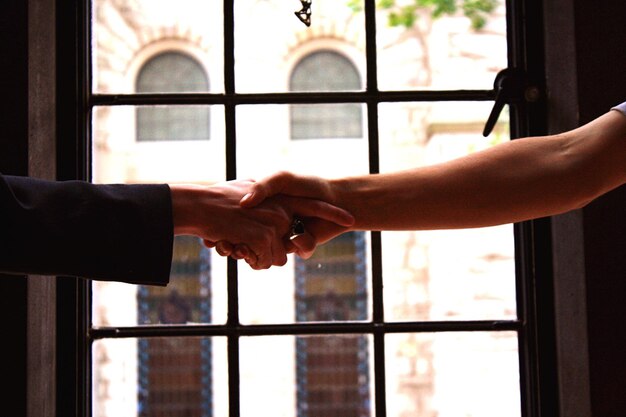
(265, 188)
(306, 207)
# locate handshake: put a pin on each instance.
(514, 181)
(260, 221)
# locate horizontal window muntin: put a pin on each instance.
(193, 330)
(290, 98)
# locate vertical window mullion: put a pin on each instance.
(525, 233)
(378, 317)
(231, 173)
(84, 172)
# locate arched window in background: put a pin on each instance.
(175, 378)
(325, 71)
(333, 371)
(172, 72)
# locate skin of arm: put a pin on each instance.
(514, 181)
(214, 214)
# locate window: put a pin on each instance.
(165, 73)
(325, 71)
(174, 378)
(377, 324)
(333, 372)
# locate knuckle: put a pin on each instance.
(281, 261)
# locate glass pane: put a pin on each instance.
(432, 45)
(324, 70)
(130, 34)
(332, 284)
(173, 123)
(332, 121)
(272, 47)
(338, 274)
(452, 374)
(174, 377)
(449, 274)
(198, 275)
(329, 376)
(171, 72)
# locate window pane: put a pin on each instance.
(172, 72)
(186, 299)
(198, 275)
(322, 121)
(452, 274)
(158, 376)
(128, 35)
(417, 50)
(324, 70)
(271, 43)
(452, 374)
(264, 146)
(332, 284)
(327, 376)
(169, 123)
(119, 156)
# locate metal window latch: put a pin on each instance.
(305, 13)
(511, 87)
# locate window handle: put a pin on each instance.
(511, 86)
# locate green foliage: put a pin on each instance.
(405, 13)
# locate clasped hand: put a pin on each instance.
(240, 219)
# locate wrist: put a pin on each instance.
(348, 193)
(184, 205)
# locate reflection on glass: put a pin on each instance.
(177, 377)
(331, 374)
(452, 374)
(448, 274)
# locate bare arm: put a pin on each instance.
(513, 181)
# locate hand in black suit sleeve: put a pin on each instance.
(105, 232)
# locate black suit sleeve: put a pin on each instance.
(74, 228)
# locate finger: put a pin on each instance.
(252, 259)
(315, 208)
(303, 245)
(286, 183)
(279, 253)
(289, 246)
(264, 257)
(241, 252)
(224, 248)
(263, 189)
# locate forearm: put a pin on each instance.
(511, 182)
(106, 232)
